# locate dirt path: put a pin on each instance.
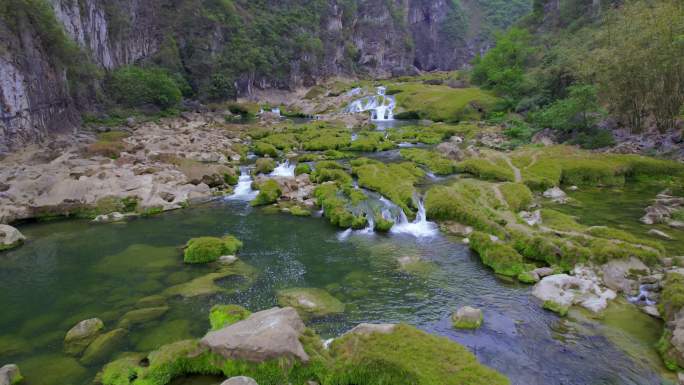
(516, 171)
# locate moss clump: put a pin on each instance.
(104, 346)
(564, 253)
(435, 162)
(527, 277)
(224, 315)
(486, 169)
(265, 149)
(497, 255)
(382, 225)
(517, 195)
(269, 192)
(302, 168)
(334, 204)
(467, 202)
(209, 249)
(560, 221)
(370, 142)
(406, 356)
(331, 175)
(395, 181)
(556, 308)
(433, 134)
(441, 103)
(672, 297)
(264, 166)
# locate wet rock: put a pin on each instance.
(10, 237)
(561, 291)
(10, 375)
(366, 328)
(451, 150)
(141, 316)
(664, 205)
(542, 272)
(676, 224)
(241, 380)
(531, 218)
(660, 234)
(109, 218)
(467, 317)
(81, 335)
(151, 301)
(618, 274)
(227, 259)
(265, 335)
(104, 346)
(556, 194)
(546, 137)
(310, 302)
(651, 310)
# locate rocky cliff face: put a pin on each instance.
(347, 37)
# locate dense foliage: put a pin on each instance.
(135, 86)
(628, 60)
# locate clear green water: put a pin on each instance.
(72, 270)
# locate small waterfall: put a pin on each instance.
(276, 111)
(644, 296)
(284, 169)
(344, 235)
(243, 190)
(420, 227)
(381, 106)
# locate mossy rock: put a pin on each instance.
(142, 316)
(53, 369)
(263, 149)
(221, 316)
(527, 277)
(209, 249)
(206, 284)
(264, 166)
(556, 308)
(302, 168)
(467, 318)
(81, 335)
(13, 346)
(406, 356)
(151, 301)
(310, 302)
(502, 258)
(269, 192)
(383, 225)
(104, 346)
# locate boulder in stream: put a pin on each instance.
(556, 194)
(265, 335)
(561, 291)
(104, 346)
(10, 375)
(10, 237)
(467, 317)
(81, 335)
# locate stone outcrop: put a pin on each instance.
(561, 291)
(264, 335)
(10, 375)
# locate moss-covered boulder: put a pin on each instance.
(382, 225)
(210, 249)
(206, 284)
(497, 255)
(310, 302)
(406, 356)
(10, 375)
(467, 318)
(81, 335)
(269, 192)
(104, 346)
(302, 168)
(224, 315)
(264, 166)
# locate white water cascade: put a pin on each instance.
(644, 297)
(243, 190)
(381, 106)
(419, 228)
(284, 169)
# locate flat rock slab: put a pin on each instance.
(264, 335)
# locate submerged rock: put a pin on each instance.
(268, 334)
(81, 335)
(10, 375)
(104, 346)
(10, 237)
(561, 291)
(467, 318)
(310, 302)
(241, 380)
(141, 316)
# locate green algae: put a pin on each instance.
(165, 333)
(206, 284)
(142, 316)
(52, 369)
(224, 315)
(310, 302)
(138, 257)
(104, 346)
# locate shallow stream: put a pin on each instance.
(73, 270)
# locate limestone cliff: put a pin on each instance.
(54, 54)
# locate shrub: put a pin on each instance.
(209, 249)
(269, 192)
(135, 86)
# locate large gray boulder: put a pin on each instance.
(618, 274)
(10, 375)
(10, 237)
(81, 335)
(241, 380)
(560, 291)
(264, 335)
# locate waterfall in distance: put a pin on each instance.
(380, 105)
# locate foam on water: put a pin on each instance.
(381, 106)
(243, 190)
(419, 228)
(284, 169)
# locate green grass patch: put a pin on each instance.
(435, 162)
(441, 103)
